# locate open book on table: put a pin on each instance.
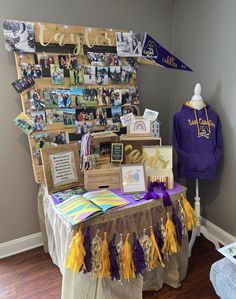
(81, 207)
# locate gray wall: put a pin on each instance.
(204, 37)
(18, 211)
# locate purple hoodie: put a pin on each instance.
(197, 140)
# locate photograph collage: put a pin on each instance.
(81, 105)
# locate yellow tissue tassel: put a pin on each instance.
(105, 261)
(155, 253)
(127, 263)
(191, 219)
(170, 243)
(75, 259)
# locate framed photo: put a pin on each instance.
(141, 127)
(61, 167)
(132, 178)
(117, 152)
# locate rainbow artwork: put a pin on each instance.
(140, 126)
(133, 176)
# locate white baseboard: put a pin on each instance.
(19, 245)
(219, 234)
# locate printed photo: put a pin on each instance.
(31, 70)
(111, 127)
(88, 114)
(83, 127)
(102, 75)
(130, 109)
(76, 95)
(64, 61)
(54, 116)
(113, 59)
(19, 36)
(51, 98)
(90, 97)
(73, 61)
(124, 96)
(24, 123)
(45, 60)
(57, 74)
(103, 97)
(47, 140)
(69, 117)
(101, 117)
(89, 74)
(97, 58)
(116, 112)
(133, 95)
(128, 44)
(38, 118)
(105, 149)
(76, 75)
(132, 63)
(64, 100)
(115, 74)
(115, 97)
(36, 99)
(126, 74)
(23, 84)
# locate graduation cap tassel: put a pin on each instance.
(155, 253)
(170, 243)
(191, 219)
(75, 260)
(138, 257)
(178, 226)
(87, 247)
(105, 260)
(114, 266)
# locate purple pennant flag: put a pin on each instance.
(154, 52)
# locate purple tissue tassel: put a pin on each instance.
(87, 247)
(159, 239)
(151, 194)
(113, 256)
(138, 257)
(178, 226)
(166, 198)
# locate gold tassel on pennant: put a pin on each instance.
(105, 261)
(191, 219)
(170, 244)
(75, 259)
(127, 263)
(155, 253)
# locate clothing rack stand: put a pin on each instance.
(200, 229)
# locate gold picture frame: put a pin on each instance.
(61, 167)
(142, 127)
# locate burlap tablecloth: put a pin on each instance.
(133, 218)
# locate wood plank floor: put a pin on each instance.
(32, 275)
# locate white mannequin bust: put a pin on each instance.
(196, 101)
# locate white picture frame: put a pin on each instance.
(132, 178)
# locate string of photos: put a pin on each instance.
(122, 261)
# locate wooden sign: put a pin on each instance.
(61, 167)
(117, 150)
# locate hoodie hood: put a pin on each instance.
(187, 105)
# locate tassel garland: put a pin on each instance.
(114, 266)
(155, 253)
(105, 260)
(75, 260)
(87, 247)
(159, 239)
(191, 219)
(178, 226)
(127, 263)
(138, 257)
(170, 243)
